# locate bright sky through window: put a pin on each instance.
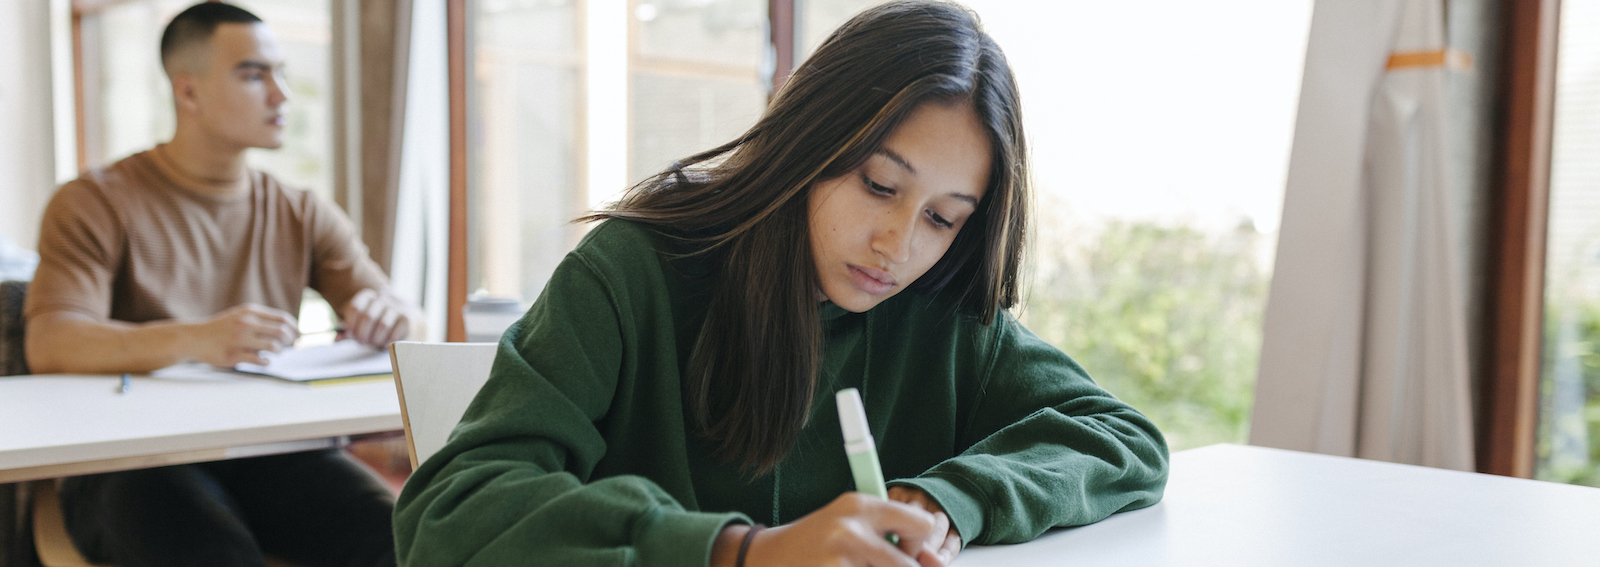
(1166, 110)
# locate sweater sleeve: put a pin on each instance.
(340, 264)
(1045, 448)
(514, 483)
(81, 242)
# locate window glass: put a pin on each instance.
(815, 19)
(696, 77)
(1568, 446)
(135, 99)
(524, 121)
(1159, 134)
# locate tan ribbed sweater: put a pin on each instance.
(138, 241)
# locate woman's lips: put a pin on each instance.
(871, 280)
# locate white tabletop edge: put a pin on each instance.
(105, 450)
(161, 415)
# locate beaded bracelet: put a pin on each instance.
(744, 546)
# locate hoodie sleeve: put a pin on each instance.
(514, 483)
(1045, 448)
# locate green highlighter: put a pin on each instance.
(859, 447)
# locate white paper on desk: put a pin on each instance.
(342, 359)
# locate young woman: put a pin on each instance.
(672, 388)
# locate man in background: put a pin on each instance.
(183, 253)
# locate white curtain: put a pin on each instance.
(420, 261)
(1365, 347)
(34, 153)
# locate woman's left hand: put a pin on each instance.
(952, 539)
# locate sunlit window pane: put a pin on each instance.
(524, 124)
(676, 116)
(695, 75)
(705, 32)
(1568, 448)
(816, 19)
(135, 97)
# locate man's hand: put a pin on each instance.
(241, 334)
(377, 319)
(948, 540)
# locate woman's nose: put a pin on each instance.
(893, 239)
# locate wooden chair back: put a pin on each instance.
(50, 537)
(436, 382)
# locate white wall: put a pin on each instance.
(27, 119)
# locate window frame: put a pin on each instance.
(86, 94)
(456, 38)
(1519, 215)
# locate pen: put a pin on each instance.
(126, 384)
(859, 447)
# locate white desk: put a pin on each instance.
(61, 425)
(1236, 506)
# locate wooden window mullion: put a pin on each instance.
(456, 40)
(1518, 230)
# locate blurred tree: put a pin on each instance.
(1568, 445)
(1167, 318)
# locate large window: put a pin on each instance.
(1568, 445)
(128, 100)
(1160, 140)
(1160, 143)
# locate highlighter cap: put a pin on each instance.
(852, 416)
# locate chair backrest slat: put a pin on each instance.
(436, 382)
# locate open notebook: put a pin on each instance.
(341, 360)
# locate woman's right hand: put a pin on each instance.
(849, 532)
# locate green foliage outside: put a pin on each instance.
(1568, 445)
(1167, 318)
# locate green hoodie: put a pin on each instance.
(578, 451)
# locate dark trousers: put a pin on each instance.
(318, 508)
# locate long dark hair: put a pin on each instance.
(752, 376)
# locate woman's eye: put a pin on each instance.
(939, 221)
(874, 187)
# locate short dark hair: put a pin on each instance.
(196, 24)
